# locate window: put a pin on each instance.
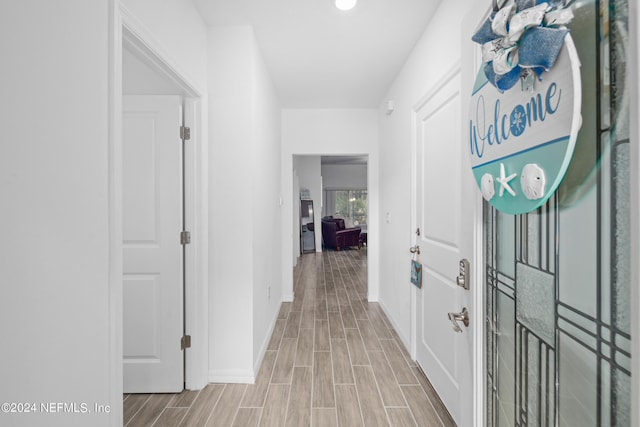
(348, 204)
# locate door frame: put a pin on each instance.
(476, 261)
(633, 62)
(125, 28)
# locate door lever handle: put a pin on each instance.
(462, 316)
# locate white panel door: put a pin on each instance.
(443, 217)
(153, 262)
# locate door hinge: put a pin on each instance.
(185, 342)
(185, 133)
(185, 237)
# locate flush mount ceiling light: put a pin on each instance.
(345, 4)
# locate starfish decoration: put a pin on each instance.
(504, 181)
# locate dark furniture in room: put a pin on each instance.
(336, 236)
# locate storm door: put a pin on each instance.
(557, 327)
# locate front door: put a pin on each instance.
(443, 236)
(153, 256)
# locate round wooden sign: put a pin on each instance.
(521, 141)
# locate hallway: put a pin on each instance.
(333, 359)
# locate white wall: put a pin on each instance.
(244, 124)
(328, 131)
(55, 258)
(344, 177)
(267, 294)
(425, 66)
(178, 29)
(54, 251)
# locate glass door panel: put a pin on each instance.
(557, 280)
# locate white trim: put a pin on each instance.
(231, 376)
(126, 28)
(139, 40)
(114, 218)
(265, 344)
(396, 326)
(287, 298)
(478, 297)
(472, 60)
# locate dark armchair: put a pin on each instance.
(336, 236)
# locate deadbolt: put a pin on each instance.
(463, 277)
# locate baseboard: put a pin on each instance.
(405, 340)
(235, 376)
(287, 298)
(265, 342)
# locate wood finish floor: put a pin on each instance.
(333, 360)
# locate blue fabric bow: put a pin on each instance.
(536, 48)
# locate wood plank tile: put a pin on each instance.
(356, 347)
(347, 406)
(225, 411)
(342, 373)
(401, 417)
(332, 302)
(323, 396)
(330, 286)
(247, 417)
(321, 342)
(389, 388)
(441, 410)
(285, 308)
(369, 337)
(151, 410)
(308, 318)
(284, 362)
(296, 305)
(321, 306)
(403, 372)
(275, 407)
(348, 320)
(358, 310)
(184, 399)
(293, 325)
(276, 335)
(343, 298)
(299, 412)
(256, 393)
(403, 348)
(323, 417)
(336, 330)
(380, 326)
(132, 405)
(202, 406)
(370, 403)
(420, 405)
(304, 352)
(171, 417)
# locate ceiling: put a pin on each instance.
(320, 57)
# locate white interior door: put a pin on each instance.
(444, 217)
(153, 257)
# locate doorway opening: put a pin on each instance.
(139, 71)
(336, 186)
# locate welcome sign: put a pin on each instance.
(521, 141)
